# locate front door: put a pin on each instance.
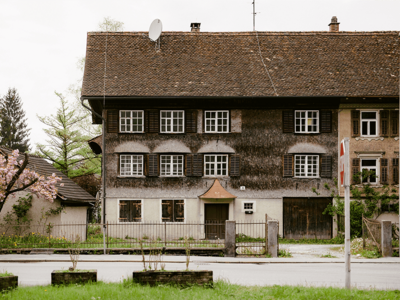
(215, 217)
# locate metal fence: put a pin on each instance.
(251, 237)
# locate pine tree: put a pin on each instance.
(13, 123)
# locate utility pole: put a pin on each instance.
(347, 211)
(254, 15)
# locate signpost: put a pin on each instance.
(345, 181)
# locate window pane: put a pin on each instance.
(368, 115)
(368, 162)
(372, 128)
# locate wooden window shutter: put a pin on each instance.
(152, 121)
(384, 122)
(288, 121)
(189, 165)
(166, 210)
(326, 166)
(355, 123)
(384, 171)
(235, 165)
(355, 170)
(394, 123)
(325, 121)
(112, 121)
(179, 210)
(123, 211)
(288, 165)
(152, 165)
(191, 121)
(395, 163)
(197, 165)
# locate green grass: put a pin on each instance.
(284, 253)
(336, 240)
(328, 256)
(6, 274)
(221, 290)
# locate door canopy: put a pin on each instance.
(216, 191)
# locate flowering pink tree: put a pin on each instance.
(15, 177)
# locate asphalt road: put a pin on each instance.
(363, 275)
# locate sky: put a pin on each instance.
(41, 41)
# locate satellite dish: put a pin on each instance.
(155, 30)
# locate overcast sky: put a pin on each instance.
(41, 40)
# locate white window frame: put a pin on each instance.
(305, 119)
(141, 210)
(184, 210)
(215, 120)
(171, 165)
(171, 121)
(131, 118)
(368, 121)
(248, 202)
(306, 164)
(215, 164)
(131, 173)
(376, 168)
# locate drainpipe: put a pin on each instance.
(103, 170)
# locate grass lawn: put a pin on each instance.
(221, 290)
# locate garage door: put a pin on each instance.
(303, 218)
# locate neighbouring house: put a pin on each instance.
(74, 200)
(215, 126)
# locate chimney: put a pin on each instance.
(195, 27)
(334, 25)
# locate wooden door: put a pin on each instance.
(303, 218)
(215, 217)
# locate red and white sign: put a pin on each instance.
(341, 162)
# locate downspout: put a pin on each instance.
(103, 168)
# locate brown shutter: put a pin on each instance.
(179, 210)
(355, 123)
(152, 121)
(191, 121)
(395, 163)
(355, 170)
(384, 171)
(394, 123)
(326, 166)
(166, 210)
(189, 165)
(112, 121)
(123, 211)
(197, 165)
(384, 120)
(235, 165)
(288, 121)
(325, 121)
(137, 209)
(288, 165)
(153, 165)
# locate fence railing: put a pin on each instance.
(251, 237)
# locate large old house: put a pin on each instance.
(206, 126)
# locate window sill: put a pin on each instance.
(307, 177)
(214, 177)
(140, 176)
(369, 138)
(178, 176)
(308, 133)
(133, 132)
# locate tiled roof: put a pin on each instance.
(229, 64)
(70, 191)
(216, 191)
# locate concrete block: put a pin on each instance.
(230, 238)
(273, 238)
(386, 238)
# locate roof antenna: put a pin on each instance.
(155, 32)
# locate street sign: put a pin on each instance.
(341, 162)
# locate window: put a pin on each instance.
(131, 121)
(215, 165)
(369, 170)
(173, 210)
(369, 123)
(130, 210)
(172, 121)
(217, 121)
(171, 165)
(306, 166)
(306, 121)
(131, 165)
(248, 205)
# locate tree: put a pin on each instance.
(109, 24)
(15, 177)
(13, 126)
(66, 147)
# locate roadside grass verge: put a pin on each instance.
(337, 240)
(221, 290)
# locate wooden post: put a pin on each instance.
(266, 233)
(165, 234)
(49, 229)
(347, 212)
(362, 230)
(107, 234)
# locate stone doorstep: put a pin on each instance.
(8, 282)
